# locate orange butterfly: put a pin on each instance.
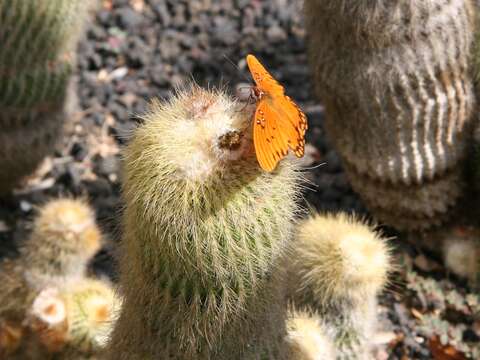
(279, 122)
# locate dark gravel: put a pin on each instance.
(135, 50)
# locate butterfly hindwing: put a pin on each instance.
(269, 141)
(293, 122)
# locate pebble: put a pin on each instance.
(106, 166)
(276, 34)
(128, 19)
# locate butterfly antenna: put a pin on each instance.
(236, 67)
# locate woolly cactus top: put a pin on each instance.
(199, 134)
(341, 259)
(64, 238)
(68, 224)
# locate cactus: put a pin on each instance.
(80, 323)
(337, 269)
(461, 250)
(92, 308)
(395, 80)
(204, 231)
(38, 40)
(306, 337)
(63, 239)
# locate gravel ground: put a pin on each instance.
(138, 49)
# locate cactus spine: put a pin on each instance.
(204, 231)
(394, 77)
(341, 264)
(38, 40)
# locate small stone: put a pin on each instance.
(118, 73)
(25, 206)
(107, 166)
(98, 188)
(78, 151)
(104, 17)
(3, 226)
(162, 13)
(127, 18)
(276, 34)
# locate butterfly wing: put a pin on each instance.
(279, 122)
(270, 142)
(292, 122)
(265, 82)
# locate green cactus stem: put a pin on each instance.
(204, 231)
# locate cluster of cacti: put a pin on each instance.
(38, 40)
(206, 248)
(396, 83)
(47, 304)
(208, 236)
(338, 267)
(205, 230)
(74, 322)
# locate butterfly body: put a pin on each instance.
(279, 124)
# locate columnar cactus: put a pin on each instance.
(338, 267)
(204, 231)
(395, 80)
(38, 40)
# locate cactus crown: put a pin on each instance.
(92, 309)
(194, 170)
(307, 338)
(341, 259)
(64, 238)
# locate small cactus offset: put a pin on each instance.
(395, 79)
(338, 267)
(47, 322)
(38, 40)
(306, 337)
(83, 317)
(204, 231)
(64, 238)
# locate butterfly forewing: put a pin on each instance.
(265, 82)
(268, 145)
